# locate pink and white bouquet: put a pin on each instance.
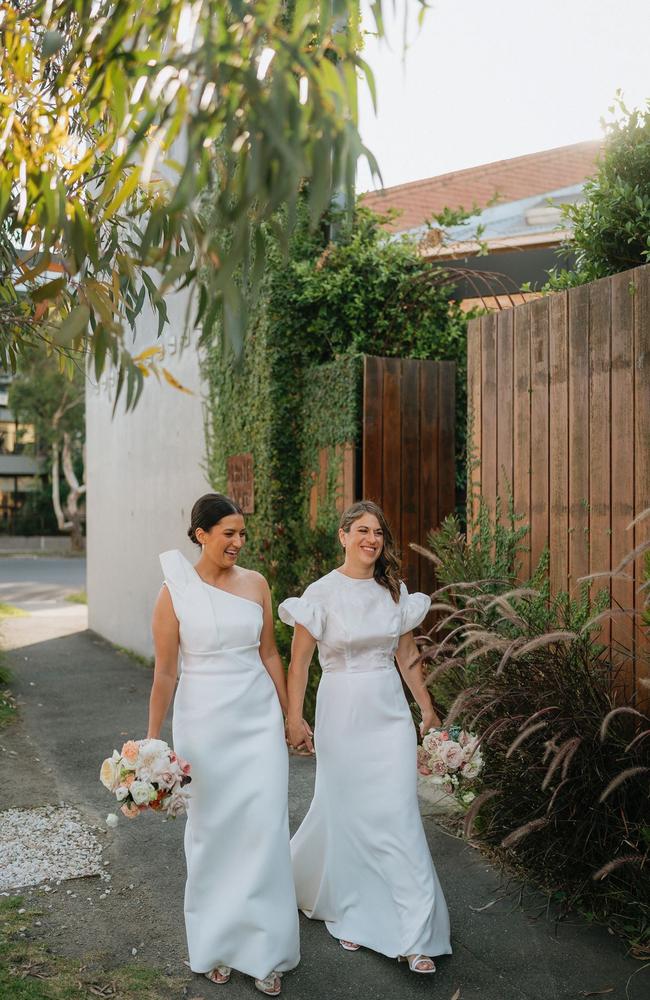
(146, 774)
(451, 759)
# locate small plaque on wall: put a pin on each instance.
(241, 485)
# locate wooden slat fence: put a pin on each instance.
(559, 408)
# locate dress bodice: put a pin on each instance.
(356, 623)
(211, 620)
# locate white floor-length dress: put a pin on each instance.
(240, 903)
(360, 858)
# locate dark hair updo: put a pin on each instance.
(208, 511)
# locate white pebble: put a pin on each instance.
(134, 951)
(46, 843)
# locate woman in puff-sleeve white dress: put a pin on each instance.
(360, 858)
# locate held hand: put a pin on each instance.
(430, 720)
(300, 735)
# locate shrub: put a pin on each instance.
(565, 785)
(611, 228)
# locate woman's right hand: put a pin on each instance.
(300, 735)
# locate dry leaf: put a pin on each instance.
(456, 995)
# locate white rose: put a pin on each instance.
(472, 768)
(176, 803)
(111, 820)
(121, 793)
(153, 750)
(431, 742)
(451, 753)
(142, 792)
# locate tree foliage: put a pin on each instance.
(118, 114)
(611, 227)
(47, 394)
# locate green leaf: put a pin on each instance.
(53, 41)
(74, 324)
(49, 290)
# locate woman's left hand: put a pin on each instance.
(430, 720)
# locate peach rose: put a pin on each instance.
(130, 810)
(130, 753)
(109, 774)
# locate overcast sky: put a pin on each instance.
(484, 80)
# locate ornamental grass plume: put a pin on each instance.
(565, 789)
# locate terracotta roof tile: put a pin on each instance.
(511, 180)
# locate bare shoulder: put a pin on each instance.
(252, 582)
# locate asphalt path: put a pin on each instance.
(79, 698)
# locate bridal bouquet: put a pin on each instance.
(450, 758)
(146, 774)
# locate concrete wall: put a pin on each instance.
(144, 472)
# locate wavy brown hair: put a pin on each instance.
(387, 567)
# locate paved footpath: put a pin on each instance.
(79, 698)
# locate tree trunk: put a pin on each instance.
(72, 518)
(56, 488)
(75, 516)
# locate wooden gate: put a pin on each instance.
(408, 451)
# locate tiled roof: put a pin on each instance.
(511, 180)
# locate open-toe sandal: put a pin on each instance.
(271, 986)
(416, 961)
(349, 945)
(219, 975)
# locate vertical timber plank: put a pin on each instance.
(410, 472)
(392, 447)
(641, 279)
(558, 443)
(505, 321)
(349, 473)
(446, 439)
(622, 471)
(473, 419)
(521, 417)
(578, 312)
(539, 430)
(489, 410)
(372, 428)
(600, 438)
(429, 372)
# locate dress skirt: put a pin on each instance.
(360, 858)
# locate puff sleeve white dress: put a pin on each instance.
(240, 903)
(360, 858)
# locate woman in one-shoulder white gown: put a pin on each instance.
(240, 903)
(360, 858)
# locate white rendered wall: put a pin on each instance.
(144, 471)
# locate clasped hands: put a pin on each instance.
(299, 735)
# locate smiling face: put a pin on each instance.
(223, 542)
(363, 541)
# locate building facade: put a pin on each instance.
(144, 471)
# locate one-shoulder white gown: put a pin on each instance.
(360, 858)
(240, 903)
